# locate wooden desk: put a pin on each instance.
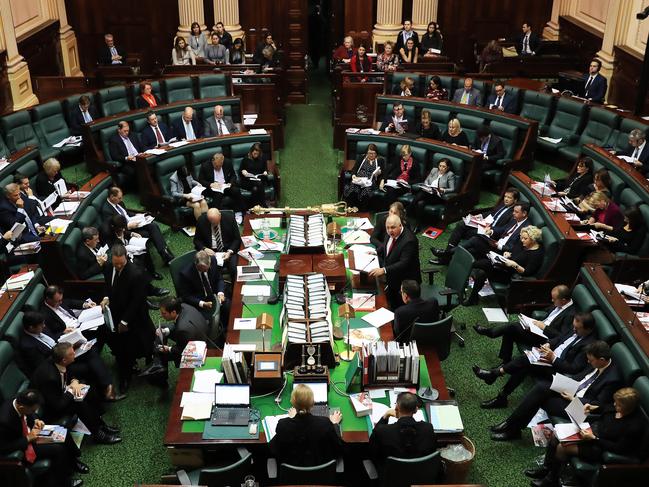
(9, 297)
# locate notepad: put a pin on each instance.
(379, 317)
(204, 380)
(445, 418)
(495, 315)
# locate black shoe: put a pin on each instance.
(439, 261)
(439, 252)
(111, 430)
(536, 473)
(497, 402)
(156, 276)
(104, 438)
(506, 435)
(167, 256)
(502, 426)
(488, 376)
(81, 467)
(75, 483)
(159, 292)
(482, 330)
(151, 305)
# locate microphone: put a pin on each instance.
(340, 297)
(412, 323)
(274, 297)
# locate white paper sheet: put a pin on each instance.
(379, 317)
(495, 315)
(204, 380)
(561, 383)
(245, 324)
(255, 290)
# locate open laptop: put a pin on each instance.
(231, 405)
(320, 406)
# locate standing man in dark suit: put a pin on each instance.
(558, 321)
(405, 34)
(201, 284)
(566, 355)
(638, 150)
(415, 309)
(215, 175)
(219, 124)
(218, 232)
(114, 206)
(399, 259)
(187, 127)
(19, 430)
(124, 148)
(490, 145)
(501, 100)
(85, 112)
(89, 262)
(63, 392)
(503, 239)
(155, 133)
(528, 43)
(407, 438)
(597, 384)
(133, 331)
(594, 83)
(110, 54)
(498, 216)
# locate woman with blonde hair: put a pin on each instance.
(46, 179)
(406, 87)
(304, 439)
(454, 134)
(387, 60)
(403, 173)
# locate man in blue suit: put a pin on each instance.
(594, 83)
(501, 100)
(187, 127)
(156, 133)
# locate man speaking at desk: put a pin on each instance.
(398, 258)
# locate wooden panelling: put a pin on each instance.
(626, 76)
(144, 28)
(581, 40)
(464, 22)
(359, 16)
(41, 51)
(5, 90)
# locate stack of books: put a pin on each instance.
(193, 355)
(306, 231)
(306, 315)
(18, 282)
(390, 362)
(234, 366)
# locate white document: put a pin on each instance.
(196, 398)
(377, 393)
(196, 412)
(155, 152)
(356, 237)
(243, 347)
(566, 430)
(561, 383)
(365, 262)
(629, 292)
(255, 290)
(628, 159)
(60, 187)
(84, 348)
(179, 143)
(59, 225)
(379, 317)
(550, 139)
(73, 337)
(91, 318)
(204, 380)
(379, 409)
(575, 411)
(528, 324)
(495, 315)
(258, 223)
(268, 246)
(257, 131)
(141, 219)
(47, 202)
(270, 425)
(66, 208)
(534, 357)
(245, 324)
(267, 264)
(17, 230)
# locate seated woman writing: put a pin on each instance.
(607, 215)
(366, 175)
(440, 180)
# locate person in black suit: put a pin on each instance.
(201, 283)
(595, 84)
(499, 216)
(110, 54)
(63, 396)
(369, 166)
(397, 122)
(124, 148)
(407, 438)
(14, 209)
(304, 439)
(638, 149)
(255, 164)
(187, 127)
(216, 173)
(579, 185)
(45, 179)
(504, 238)
(206, 237)
(527, 43)
(490, 145)
(85, 112)
(19, 413)
(155, 133)
(405, 34)
(379, 233)
(399, 259)
(89, 263)
(414, 309)
(566, 354)
(403, 168)
(619, 430)
(501, 100)
(597, 383)
(133, 331)
(113, 206)
(557, 322)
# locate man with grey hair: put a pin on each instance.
(187, 127)
(90, 261)
(638, 150)
(398, 258)
(220, 179)
(201, 284)
(219, 124)
(13, 210)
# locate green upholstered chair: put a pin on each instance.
(482, 86)
(439, 118)
(72, 102)
(453, 292)
(4, 150)
(237, 153)
(628, 198)
(179, 89)
(583, 299)
(448, 83)
(35, 299)
(604, 328)
(538, 106)
(436, 335)
(51, 127)
(619, 138)
(408, 110)
(324, 474)
(12, 335)
(19, 132)
(213, 86)
(89, 217)
(598, 129)
(156, 89)
(231, 474)
(12, 380)
(113, 100)
(420, 156)
(435, 212)
(496, 172)
(382, 148)
(566, 125)
(163, 172)
(403, 472)
(398, 76)
(178, 264)
(470, 124)
(625, 363)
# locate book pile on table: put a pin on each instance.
(306, 315)
(306, 231)
(193, 355)
(234, 366)
(390, 362)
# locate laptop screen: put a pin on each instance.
(319, 391)
(232, 394)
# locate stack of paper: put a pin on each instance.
(445, 417)
(141, 219)
(196, 405)
(379, 317)
(26, 248)
(91, 318)
(137, 245)
(193, 355)
(204, 380)
(18, 282)
(66, 208)
(58, 226)
(528, 324)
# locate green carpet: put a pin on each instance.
(309, 168)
